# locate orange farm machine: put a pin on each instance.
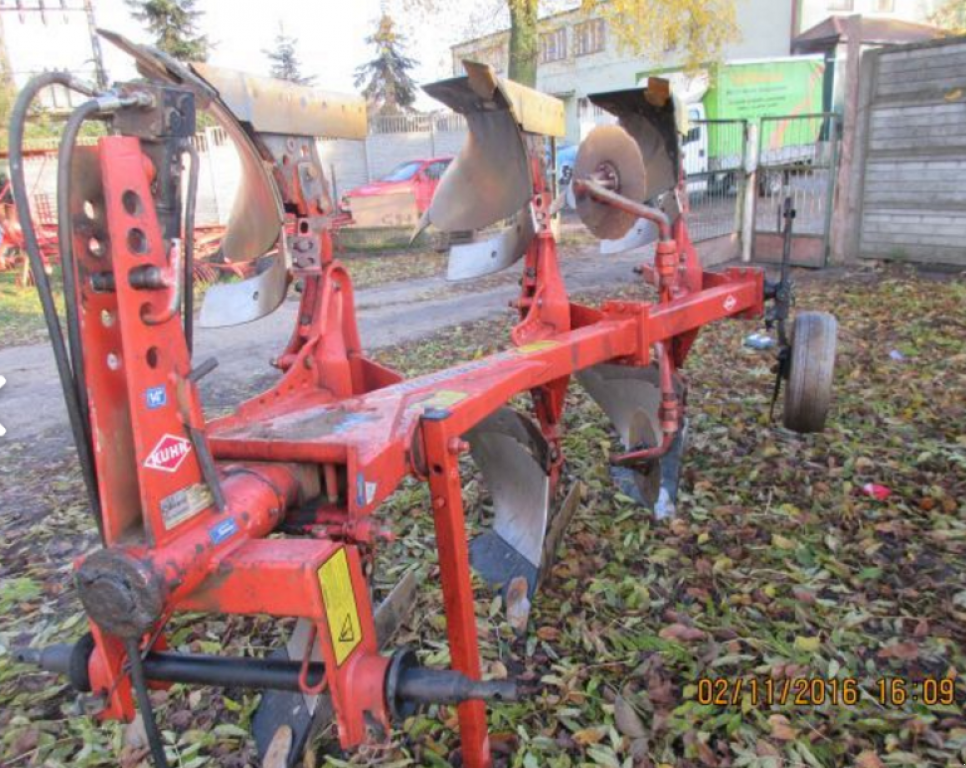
(272, 509)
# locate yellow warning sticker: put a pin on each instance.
(443, 399)
(537, 346)
(340, 605)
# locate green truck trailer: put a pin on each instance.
(783, 96)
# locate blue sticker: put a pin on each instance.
(360, 490)
(352, 420)
(157, 397)
(223, 531)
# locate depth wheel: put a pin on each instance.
(808, 391)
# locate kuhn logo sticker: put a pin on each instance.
(168, 454)
(730, 303)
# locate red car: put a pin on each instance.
(421, 177)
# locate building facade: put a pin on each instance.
(579, 55)
(812, 12)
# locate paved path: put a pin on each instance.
(32, 409)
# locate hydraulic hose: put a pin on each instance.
(189, 246)
(669, 414)
(65, 237)
(65, 372)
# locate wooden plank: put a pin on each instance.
(946, 83)
(925, 52)
(892, 66)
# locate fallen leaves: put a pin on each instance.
(777, 567)
(808, 644)
(682, 633)
(781, 728)
(901, 651)
(627, 720)
(868, 759)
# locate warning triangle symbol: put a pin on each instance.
(348, 633)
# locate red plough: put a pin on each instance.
(190, 510)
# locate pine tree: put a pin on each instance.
(174, 24)
(389, 88)
(285, 60)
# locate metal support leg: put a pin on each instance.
(454, 563)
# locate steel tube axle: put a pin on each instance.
(604, 195)
(413, 684)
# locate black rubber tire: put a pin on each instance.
(808, 391)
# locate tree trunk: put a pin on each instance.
(523, 41)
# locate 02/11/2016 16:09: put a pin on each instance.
(816, 691)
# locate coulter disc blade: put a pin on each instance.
(653, 120)
(642, 233)
(610, 153)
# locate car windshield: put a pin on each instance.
(402, 172)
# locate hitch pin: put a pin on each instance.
(113, 102)
(172, 280)
(318, 688)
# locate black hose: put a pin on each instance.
(140, 684)
(65, 237)
(65, 372)
(189, 246)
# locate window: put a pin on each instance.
(403, 172)
(884, 6)
(494, 55)
(841, 5)
(553, 45)
(589, 37)
(435, 171)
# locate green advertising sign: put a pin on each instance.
(762, 89)
(767, 89)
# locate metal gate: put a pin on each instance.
(797, 156)
(714, 161)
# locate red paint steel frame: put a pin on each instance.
(328, 443)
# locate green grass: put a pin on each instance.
(21, 317)
(369, 270)
(22, 320)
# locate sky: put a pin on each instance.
(331, 36)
